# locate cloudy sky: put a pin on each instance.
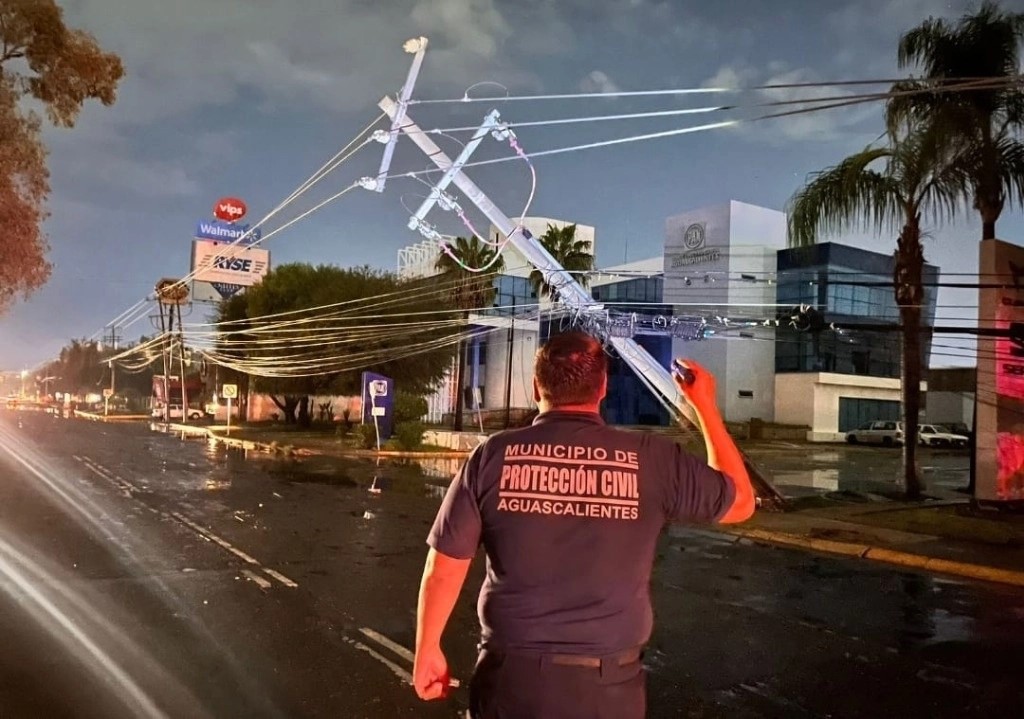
(247, 98)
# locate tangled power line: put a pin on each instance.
(303, 342)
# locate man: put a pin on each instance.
(569, 512)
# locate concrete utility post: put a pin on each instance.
(573, 295)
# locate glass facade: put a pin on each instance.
(512, 290)
(849, 287)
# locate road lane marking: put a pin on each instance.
(390, 644)
(214, 538)
(396, 670)
(204, 534)
(279, 577)
(399, 650)
(260, 581)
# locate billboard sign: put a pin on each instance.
(232, 265)
(229, 209)
(379, 402)
(999, 431)
(226, 232)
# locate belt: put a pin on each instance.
(630, 656)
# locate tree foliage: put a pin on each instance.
(572, 254)
(885, 188)
(59, 68)
(325, 325)
(971, 94)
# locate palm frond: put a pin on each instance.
(848, 195)
(926, 41)
(1011, 165)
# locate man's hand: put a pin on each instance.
(430, 674)
(699, 389)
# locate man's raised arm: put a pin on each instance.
(699, 391)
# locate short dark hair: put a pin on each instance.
(571, 368)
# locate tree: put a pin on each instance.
(884, 188)
(61, 68)
(307, 330)
(572, 254)
(470, 290)
(984, 121)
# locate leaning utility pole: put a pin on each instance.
(617, 330)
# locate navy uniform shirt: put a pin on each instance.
(569, 511)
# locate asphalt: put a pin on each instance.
(142, 574)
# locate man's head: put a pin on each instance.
(570, 372)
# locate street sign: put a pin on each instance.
(230, 391)
(107, 392)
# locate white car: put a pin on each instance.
(159, 412)
(882, 432)
(932, 436)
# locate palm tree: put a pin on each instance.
(572, 254)
(469, 290)
(884, 188)
(981, 53)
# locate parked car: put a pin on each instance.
(936, 436)
(957, 428)
(882, 432)
(159, 412)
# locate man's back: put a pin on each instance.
(570, 511)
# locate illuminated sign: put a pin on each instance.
(226, 232)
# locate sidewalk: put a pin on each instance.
(941, 536)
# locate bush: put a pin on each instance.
(410, 435)
(368, 436)
(409, 408)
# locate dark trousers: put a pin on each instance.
(532, 686)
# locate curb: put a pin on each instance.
(889, 556)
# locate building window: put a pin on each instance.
(747, 393)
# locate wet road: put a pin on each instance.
(144, 575)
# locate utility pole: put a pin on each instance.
(168, 353)
(508, 369)
(570, 293)
(181, 356)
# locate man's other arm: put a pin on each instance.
(722, 452)
(443, 577)
(453, 541)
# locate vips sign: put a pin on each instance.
(236, 265)
(229, 209)
(379, 402)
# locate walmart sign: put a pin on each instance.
(226, 232)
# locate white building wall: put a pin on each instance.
(495, 372)
(703, 278)
(812, 399)
(950, 408)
